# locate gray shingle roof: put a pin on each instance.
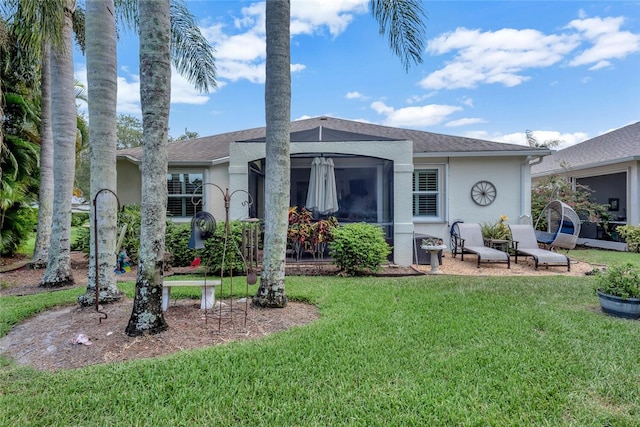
(620, 145)
(216, 147)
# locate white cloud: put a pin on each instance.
(520, 138)
(494, 56)
(241, 49)
(183, 92)
(419, 116)
(414, 99)
(609, 42)
(354, 95)
(464, 122)
(311, 16)
(504, 56)
(129, 95)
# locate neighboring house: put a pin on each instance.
(406, 181)
(609, 165)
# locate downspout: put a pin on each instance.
(526, 163)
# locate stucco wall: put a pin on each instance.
(513, 192)
(129, 182)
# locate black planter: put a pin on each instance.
(627, 308)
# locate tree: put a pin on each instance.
(129, 131)
(403, 22)
(63, 120)
(185, 136)
(45, 198)
(155, 93)
(102, 79)
(271, 292)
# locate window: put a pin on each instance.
(427, 188)
(181, 198)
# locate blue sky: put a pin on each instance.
(567, 70)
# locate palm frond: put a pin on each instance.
(404, 23)
(191, 53)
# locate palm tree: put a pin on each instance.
(403, 21)
(155, 93)
(45, 199)
(102, 81)
(271, 292)
(63, 121)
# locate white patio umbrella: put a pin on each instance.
(322, 196)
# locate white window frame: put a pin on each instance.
(439, 192)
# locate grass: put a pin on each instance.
(602, 257)
(490, 351)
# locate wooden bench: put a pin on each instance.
(208, 296)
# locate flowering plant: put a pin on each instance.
(496, 231)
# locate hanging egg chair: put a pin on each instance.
(558, 225)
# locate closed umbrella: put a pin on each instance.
(322, 195)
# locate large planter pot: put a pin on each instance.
(627, 308)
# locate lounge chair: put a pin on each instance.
(468, 239)
(525, 243)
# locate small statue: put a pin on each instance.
(123, 265)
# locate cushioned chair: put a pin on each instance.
(468, 239)
(525, 243)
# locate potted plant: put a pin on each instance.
(618, 289)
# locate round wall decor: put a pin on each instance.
(483, 193)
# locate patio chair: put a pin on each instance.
(525, 243)
(468, 239)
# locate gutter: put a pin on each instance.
(529, 153)
(529, 161)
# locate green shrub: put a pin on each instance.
(631, 235)
(78, 219)
(359, 248)
(129, 215)
(177, 243)
(621, 280)
(215, 250)
(19, 221)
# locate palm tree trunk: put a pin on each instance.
(45, 199)
(102, 81)
(271, 292)
(63, 118)
(155, 94)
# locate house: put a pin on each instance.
(406, 181)
(609, 165)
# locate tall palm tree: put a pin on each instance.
(102, 78)
(155, 94)
(63, 121)
(271, 292)
(45, 198)
(403, 21)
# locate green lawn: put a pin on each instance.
(484, 351)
